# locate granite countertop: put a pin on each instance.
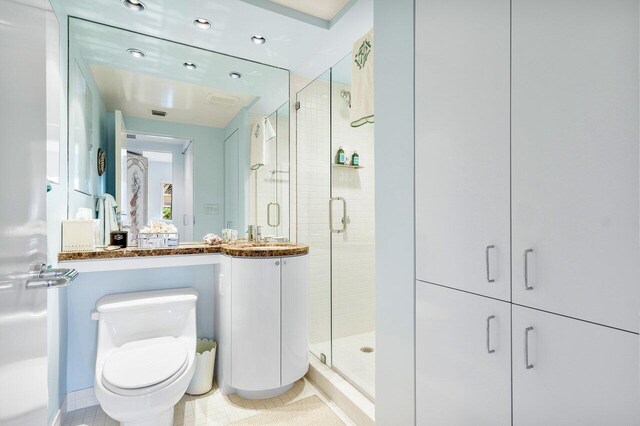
(240, 249)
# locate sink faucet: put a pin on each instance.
(258, 234)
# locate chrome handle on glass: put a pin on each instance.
(269, 214)
(486, 256)
(526, 348)
(345, 218)
(526, 269)
(41, 277)
(489, 318)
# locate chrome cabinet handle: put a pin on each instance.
(486, 256)
(345, 218)
(269, 214)
(526, 269)
(528, 365)
(489, 318)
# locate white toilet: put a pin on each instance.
(146, 354)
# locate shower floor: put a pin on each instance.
(356, 366)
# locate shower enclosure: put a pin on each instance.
(335, 217)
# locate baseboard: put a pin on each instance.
(349, 399)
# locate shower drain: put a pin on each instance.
(366, 349)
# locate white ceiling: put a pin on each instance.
(293, 42)
(325, 9)
(136, 94)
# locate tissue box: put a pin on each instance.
(157, 240)
(79, 235)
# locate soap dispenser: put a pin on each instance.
(355, 159)
(340, 157)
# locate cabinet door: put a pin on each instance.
(579, 373)
(255, 324)
(463, 358)
(575, 159)
(295, 318)
(462, 145)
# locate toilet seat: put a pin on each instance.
(144, 366)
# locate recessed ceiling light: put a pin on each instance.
(190, 65)
(136, 5)
(258, 39)
(235, 74)
(136, 53)
(202, 23)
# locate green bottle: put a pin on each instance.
(355, 159)
(340, 156)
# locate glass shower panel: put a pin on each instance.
(266, 178)
(313, 171)
(353, 239)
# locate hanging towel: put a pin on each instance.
(107, 216)
(362, 81)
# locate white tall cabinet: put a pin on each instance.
(527, 210)
(462, 114)
(575, 159)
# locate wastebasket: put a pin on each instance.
(202, 380)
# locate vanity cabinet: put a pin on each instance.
(268, 322)
(463, 358)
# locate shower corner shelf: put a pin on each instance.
(346, 166)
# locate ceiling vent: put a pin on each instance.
(222, 100)
(158, 113)
(131, 136)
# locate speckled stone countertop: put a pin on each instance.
(240, 249)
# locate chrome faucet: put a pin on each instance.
(258, 234)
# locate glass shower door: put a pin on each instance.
(352, 239)
(313, 190)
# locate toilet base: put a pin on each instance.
(164, 419)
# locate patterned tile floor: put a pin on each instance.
(212, 408)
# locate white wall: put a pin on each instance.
(395, 218)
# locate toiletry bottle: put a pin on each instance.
(355, 159)
(340, 156)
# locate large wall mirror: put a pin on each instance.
(176, 133)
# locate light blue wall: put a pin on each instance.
(89, 287)
(241, 123)
(395, 263)
(208, 168)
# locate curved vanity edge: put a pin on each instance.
(258, 251)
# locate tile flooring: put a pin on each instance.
(212, 408)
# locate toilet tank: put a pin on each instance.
(125, 317)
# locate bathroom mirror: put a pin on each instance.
(176, 133)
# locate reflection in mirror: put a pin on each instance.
(180, 136)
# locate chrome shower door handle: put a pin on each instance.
(486, 257)
(345, 218)
(277, 223)
(526, 269)
(489, 318)
(527, 364)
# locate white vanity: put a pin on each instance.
(262, 324)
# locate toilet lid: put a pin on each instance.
(144, 363)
